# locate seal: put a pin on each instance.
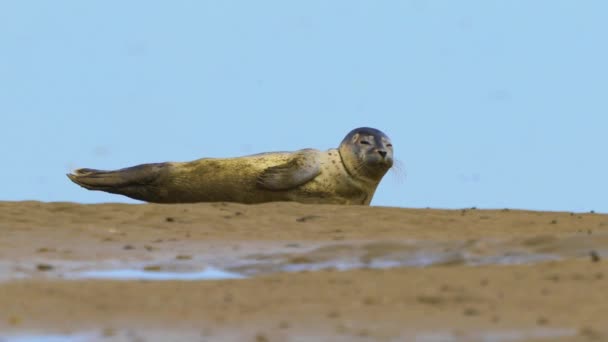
(349, 174)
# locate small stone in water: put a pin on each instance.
(44, 267)
(152, 268)
(595, 257)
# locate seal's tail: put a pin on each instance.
(124, 181)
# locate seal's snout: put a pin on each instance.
(382, 153)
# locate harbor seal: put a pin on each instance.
(346, 175)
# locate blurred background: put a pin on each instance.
(493, 104)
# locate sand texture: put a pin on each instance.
(310, 273)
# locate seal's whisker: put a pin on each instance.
(398, 171)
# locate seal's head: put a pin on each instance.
(367, 153)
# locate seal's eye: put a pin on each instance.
(364, 142)
(389, 145)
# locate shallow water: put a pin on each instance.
(422, 254)
(436, 336)
(131, 274)
(47, 338)
(494, 336)
(308, 256)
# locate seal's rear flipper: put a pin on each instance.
(115, 181)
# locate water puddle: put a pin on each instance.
(108, 336)
(438, 336)
(251, 260)
(134, 274)
(494, 336)
(48, 338)
(422, 254)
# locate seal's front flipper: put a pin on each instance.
(301, 168)
(116, 181)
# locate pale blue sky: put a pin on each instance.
(489, 103)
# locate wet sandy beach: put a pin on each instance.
(301, 273)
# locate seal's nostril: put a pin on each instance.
(382, 153)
